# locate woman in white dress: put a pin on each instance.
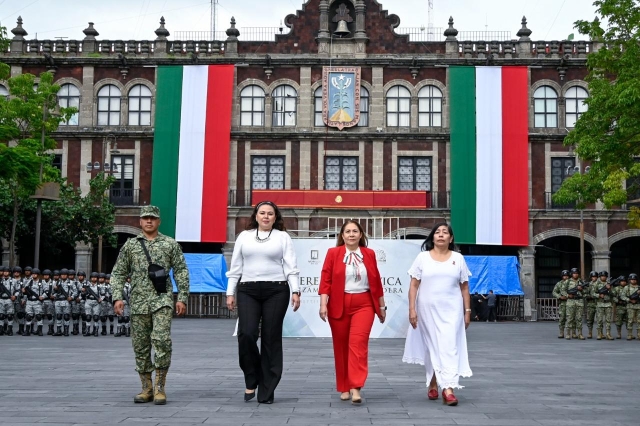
(439, 313)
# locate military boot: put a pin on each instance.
(580, 336)
(619, 330)
(58, 331)
(50, 331)
(567, 334)
(33, 328)
(95, 330)
(159, 397)
(128, 331)
(1, 329)
(609, 336)
(629, 336)
(66, 330)
(84, 328)
(590, 336)
(111, 329)
(599, 335)
(27, 330)
(561, 334)
(40, 331)
(21, 329)
(147, 389)
(76, 329)
(9, 330)
(86, 331)
(118, 332)
(104, 330)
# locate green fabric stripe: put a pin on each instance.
(166, 142)
(462, 93)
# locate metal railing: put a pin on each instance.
(552, 205)
(375, 227)
(246, 34)
(124, 197)
(547, 309)
(239, 198)
(208, 305)
(510, 308)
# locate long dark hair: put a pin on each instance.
(428, 243)
(363, 238)
(278, 224)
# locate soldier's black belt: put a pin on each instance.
(6, 297)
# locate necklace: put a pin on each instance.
(263, 240)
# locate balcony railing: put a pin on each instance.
(552, 205)
(124, 197)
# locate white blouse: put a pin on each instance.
(271, 260)
(356, 280)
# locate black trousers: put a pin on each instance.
(266, 301)
(492, 313)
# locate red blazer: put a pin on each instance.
(333, 278)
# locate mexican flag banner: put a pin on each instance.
(191, 151)
(489, 155)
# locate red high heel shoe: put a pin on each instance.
(449, 400)
(433, 394)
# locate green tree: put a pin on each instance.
(608, 135)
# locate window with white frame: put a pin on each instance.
(398, 107)
(574, 101)
(430, 107)
(364, 107)
(252, 106)
(69, 96)
(414, 173)
(109, 105)
(545, 107)
(341, 173)
(140, 106)
(317, 108)
(267, 172)
(284, 106)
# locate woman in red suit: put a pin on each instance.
(350, 295)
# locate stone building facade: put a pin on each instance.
(278, 140)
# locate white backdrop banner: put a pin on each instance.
(394, 260)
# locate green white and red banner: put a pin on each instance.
(489, 155)
(191, 151)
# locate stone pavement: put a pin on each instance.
(523, 375)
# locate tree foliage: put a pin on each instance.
(607, 136)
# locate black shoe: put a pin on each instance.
(66, 330)
(86, 332)
(33, 328)
(118, 332)
(76, 328)
(95, 331)
(267, 401)
(20, 328)
(104, 330)
(249, 396)
(128, 331)
(50, 331)
(110, 329)
(27, 330)
(84, 328)
(58, 331)
(40, 330)
(1, 329)
(9, 330)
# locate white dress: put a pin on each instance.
(439, 342)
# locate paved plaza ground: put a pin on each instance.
(523, 375)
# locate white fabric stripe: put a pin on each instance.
(191, 160)
(489, 155)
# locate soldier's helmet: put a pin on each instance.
(71, 272)
(565, 273)
(101, 275)
(107, 277)
(633, 276)
(17, 269)
(28, 269)
(93, 275)
(82, 274)
(575, 271)
(604, 274)
(46, 272)
(593, 274)
(622, 278)
(56, 272)
(35, 271)
(4, 269)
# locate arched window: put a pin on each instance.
(3, 91)
(364, 107)
(317, 108)
(545, 107)
(398, 107)
(139, 106)
(430, 107)
(109, 106)
(574, 101)
(284, 106)
(69, 96)
(252, 106)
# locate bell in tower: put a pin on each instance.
(342, 30)
(342, 18)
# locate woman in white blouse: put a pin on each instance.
(262, 275)
(351, 295)
(439, 313)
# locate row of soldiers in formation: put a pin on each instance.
(602, 297)
(31, 297)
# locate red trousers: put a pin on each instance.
(350, 335)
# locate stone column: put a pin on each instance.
(528, 275)
(304, 109)
(377, 119)
(414, 112)
(451, 42)
(600, 260)
(231, 45)
(523, 48)
(303, 215)
(16, 70)
(227, 252)
(161, 41)
(85, 116)
(89, 43)
(361, 34)
(324, 37)
(18, 44)
(85, 157)
(378, 165)
(5, 252)
(84, 253)
(305, 164)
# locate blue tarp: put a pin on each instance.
(207, 273)
(498, 273)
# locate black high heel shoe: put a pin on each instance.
(249, 396)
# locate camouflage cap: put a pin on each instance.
(152, 211)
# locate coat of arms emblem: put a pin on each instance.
(341, 96)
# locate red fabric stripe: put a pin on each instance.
(515, 157)
(216, 154)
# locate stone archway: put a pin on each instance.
(563, 232)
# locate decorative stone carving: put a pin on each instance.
(162, 32)
(524, 32)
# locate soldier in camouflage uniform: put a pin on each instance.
(123, 320)
(602, 292)
(621, 306)
(590, 306)
(79, 316)
(7, 303)
(65, 293)
(104, 305)
(75, 307)
(151, 311)
(34, 295)
(17, 288)
(575, 306)
(631, 295)
(560, 293)
(48, 305)
(110, 311)
(92, 306)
